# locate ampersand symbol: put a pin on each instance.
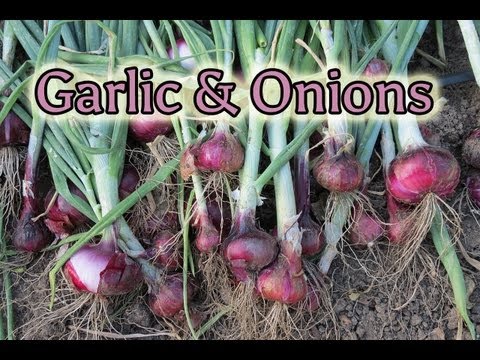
(220, 94)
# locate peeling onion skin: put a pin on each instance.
(165, 298)
(208, 237)
(471, 149)
(397, 212)
(145, 128)
(420, 171)
(31, 236)
(62, 218)
(101, 270)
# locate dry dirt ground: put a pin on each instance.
(362, 309)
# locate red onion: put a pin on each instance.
(365, 229)
(168, 220)
(473, 187)
(376, 68)
(99, 269)
(220, 214)
(247, 249)
(62, 218)
(208, 237)
(284, 280)
(166, 298)
(397, 212)
(221, 152)
(164, 252)
(30, 236)
(422, 170)
(471, 149)
(129, 181)
(146, 128)
(313, 239)
(340, 173)
(430, 136)
(13, 131)
(183, 51)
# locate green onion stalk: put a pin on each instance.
(218, 152)
(248, 249)
(284, 280)
(338, 171)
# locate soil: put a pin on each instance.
(362, 308)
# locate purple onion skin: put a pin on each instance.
(13, 131)
(208, 238)
(313, 239)
(420, 171)
(376, 68)
(63, 218)
(248, 249)
(129, 181)
(473, 188)
(30, 236)
(430, 136)
(284, 281)
(471, 149)
(365, 229)
(222, 152)
(164, 253)
(165, 299)
(339, 173)
(183, 51)
(111, 272)
(146, 128)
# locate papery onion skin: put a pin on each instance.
(62, 218)
(420, 171)
(165, 298)
(313, 239)
(222, 152)
(339, 173)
